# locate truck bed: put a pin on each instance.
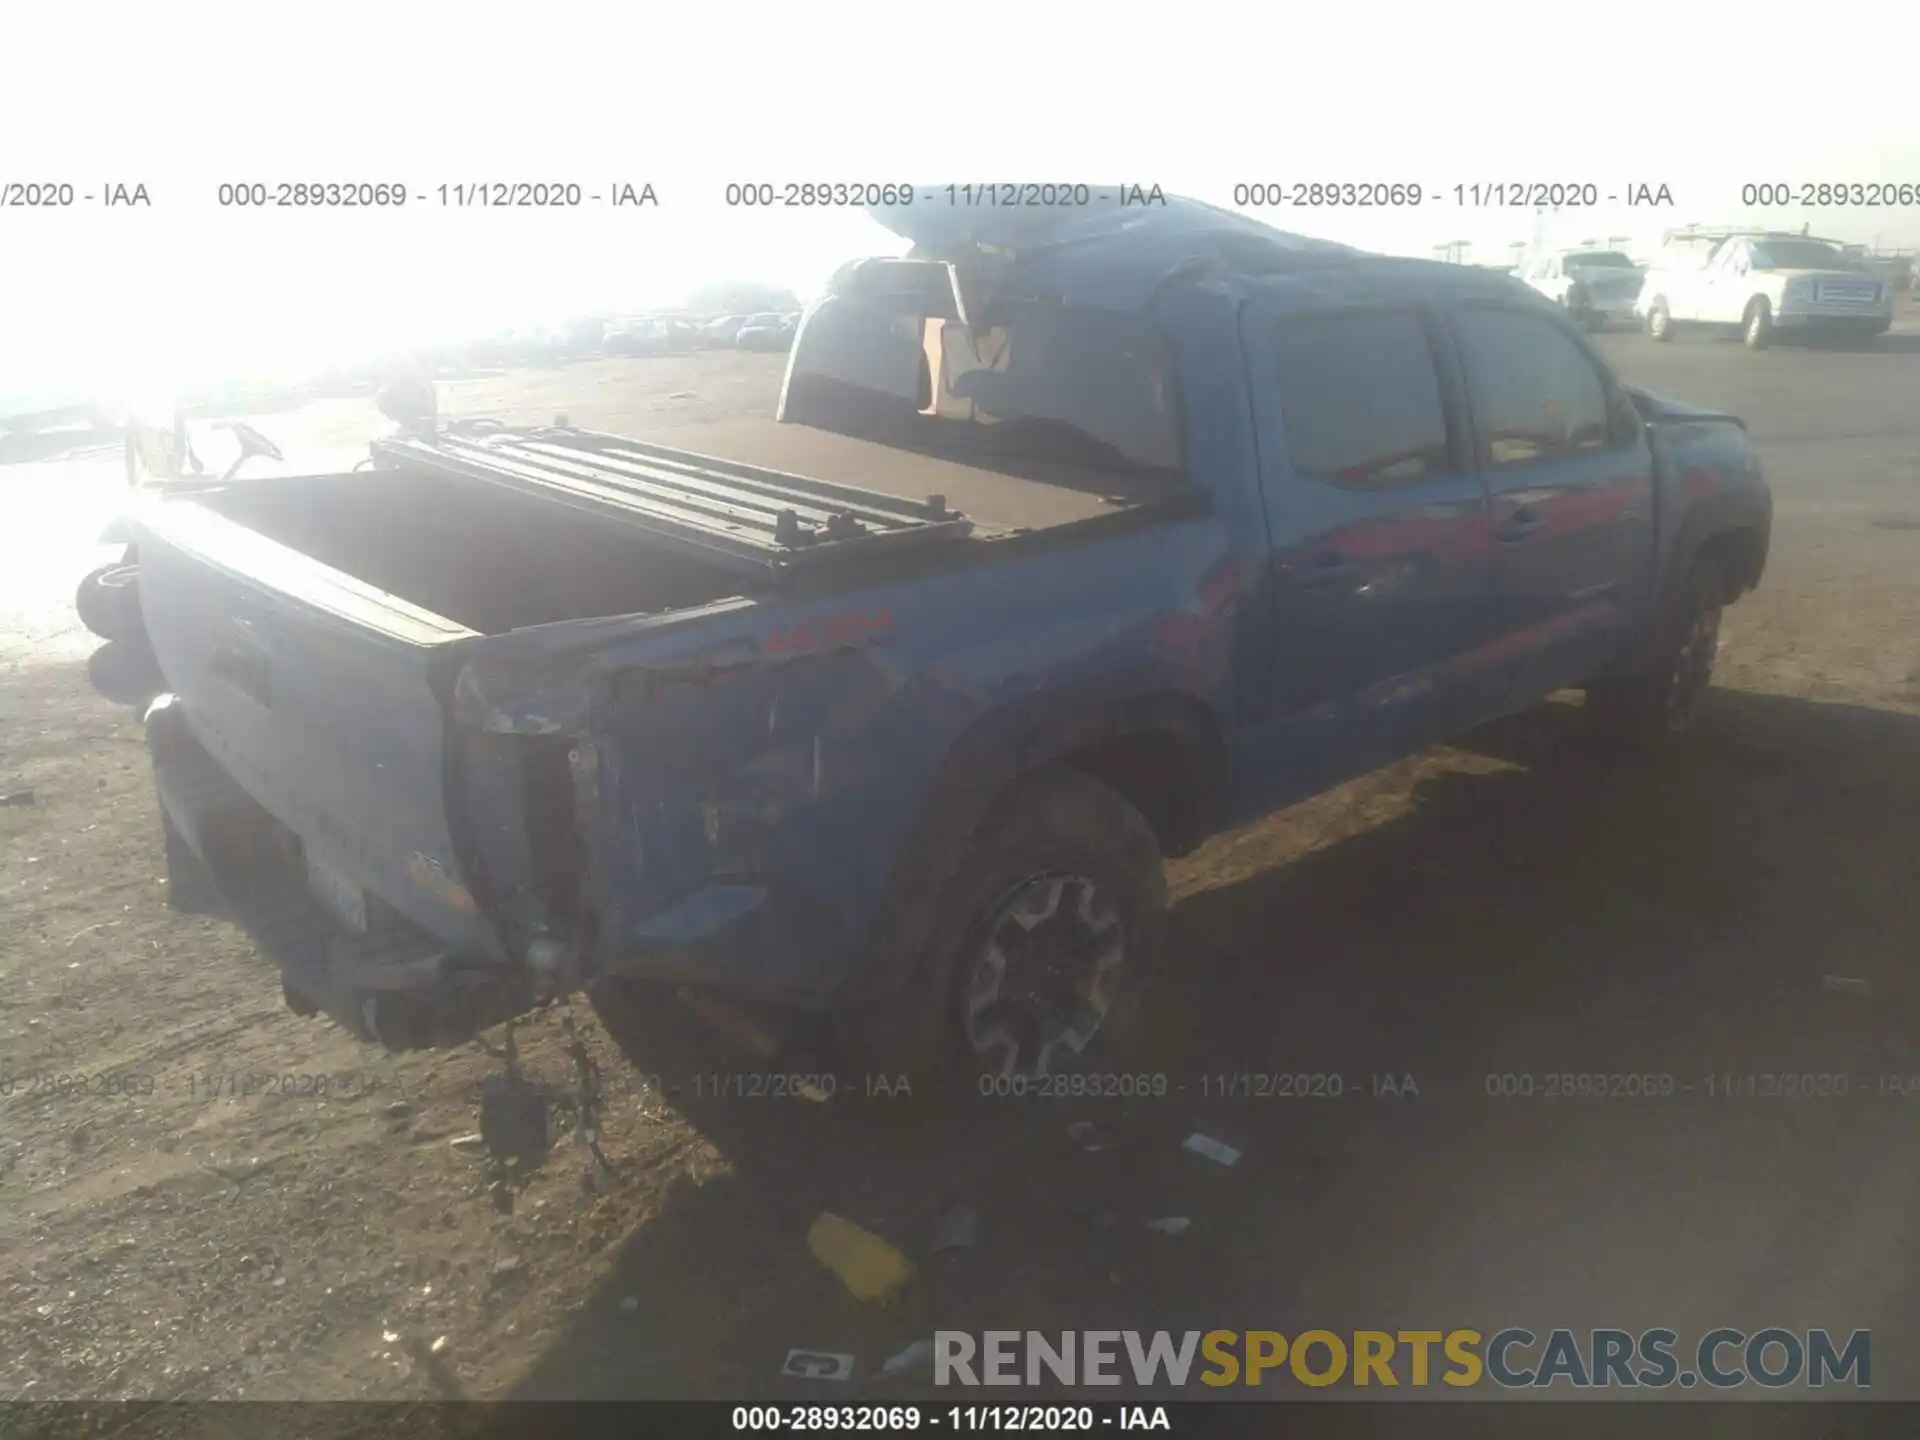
(486, 558)
(498, 528)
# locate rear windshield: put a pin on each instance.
(1035, 383)
(1599, 260)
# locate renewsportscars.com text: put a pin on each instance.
(1513, 1358)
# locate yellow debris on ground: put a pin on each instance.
(867, 1265)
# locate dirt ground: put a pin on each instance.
(203, 1196)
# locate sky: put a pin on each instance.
(183, 97)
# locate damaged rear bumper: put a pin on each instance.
(402, 987)
(396, 985)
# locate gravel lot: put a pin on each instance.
(1514, 905)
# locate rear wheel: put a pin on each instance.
(1756, 327)
(1044, 939)
(1657, 700)
(1660, 321)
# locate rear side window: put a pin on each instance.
(1360, 400)
(1536, 395)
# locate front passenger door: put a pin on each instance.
(1569, 470)
(1722, 293)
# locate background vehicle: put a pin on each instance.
(1183, 519)
(1766, 284)
(722, 331)
(1596, 287)
(645, 336)
(765, 332)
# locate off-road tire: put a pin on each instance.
(1651, 704)
(1057, 821)
(109, 602)
(191, 888)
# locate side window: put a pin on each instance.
(1360, 399)
(1535, 393)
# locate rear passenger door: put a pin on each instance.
(1380, 578)
(1569, 471)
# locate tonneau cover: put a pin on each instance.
(755, 517)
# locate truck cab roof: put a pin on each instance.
(1379, 279)
(1112, 253)
(1119, 256)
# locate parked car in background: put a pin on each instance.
(1596, 287)
(1763, 284)
(722, 331)
(644, 336)
(765, 332)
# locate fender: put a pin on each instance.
(981, 768)
(119, 531)
(1706, 520)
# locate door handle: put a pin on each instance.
(1519, 525)
(1329, 571)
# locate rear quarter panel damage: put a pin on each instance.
(743, 790)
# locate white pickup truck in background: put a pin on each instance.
(1595, 286)
(1764, 284)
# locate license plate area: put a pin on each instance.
(343, 897)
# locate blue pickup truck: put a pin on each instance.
(1078, 537)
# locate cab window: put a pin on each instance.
(1536, 395)
(1360, 400)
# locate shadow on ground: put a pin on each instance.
(1553, 911)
